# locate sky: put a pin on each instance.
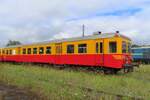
(40, 20)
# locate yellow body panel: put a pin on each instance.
(6, 51)
(0, 51)
(91, 46)
(38, 46)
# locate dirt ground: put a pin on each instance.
(13, 93)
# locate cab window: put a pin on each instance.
(124, 47)
(82, 48)
(70, 48)
(48, 50)
(34, 50)
(41, 50)
(112, 47)
(129, 48)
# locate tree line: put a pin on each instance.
(13, 43)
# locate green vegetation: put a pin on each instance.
(12, 43)
(63, 84)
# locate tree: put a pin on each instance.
(12, 43)
(135, 45)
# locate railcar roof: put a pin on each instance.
(142, 47)
(103, 35)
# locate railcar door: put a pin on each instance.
(19, 50)
(99, 53)
(58, 49)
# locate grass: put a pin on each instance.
(55, 84)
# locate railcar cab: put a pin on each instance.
(125, 44)
(0, 54)
(116, 52)
(127, 56)
(126, 51)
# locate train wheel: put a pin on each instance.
(115, 71)
(126, 70)
(110, 71)
(107, 71)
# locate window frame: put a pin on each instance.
(82, 49)
(112, 50)
(97, 47)
(10, 52)
(50, 50)
(29, 51)
(129, 47)
(35, 50)
(101, 47)
(24, 51)
(7, 52)
(72, 49)
(124, 47)
(3, 51)
(40, 50)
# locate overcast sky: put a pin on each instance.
(40, 20)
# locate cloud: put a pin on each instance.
(40, 20)
(124, 12)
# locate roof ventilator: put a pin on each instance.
(97, 33)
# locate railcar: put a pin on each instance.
(109, 52)
(141, 54)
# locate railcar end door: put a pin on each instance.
(58, 49)
(99, 53)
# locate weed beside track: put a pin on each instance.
(69, 84)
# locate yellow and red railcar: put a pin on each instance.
(108, 51)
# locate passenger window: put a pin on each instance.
(24, 51)
(3, 51)
(41, 50)
(14, 52)
(82, 48)
(19, 51)
(96, 47)
(48, 50)
(70, 48)
(10, 52)
(112, 47)
(101, 47)
(29, 50)
(7, 52)
(124, 47)
(34, 50)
